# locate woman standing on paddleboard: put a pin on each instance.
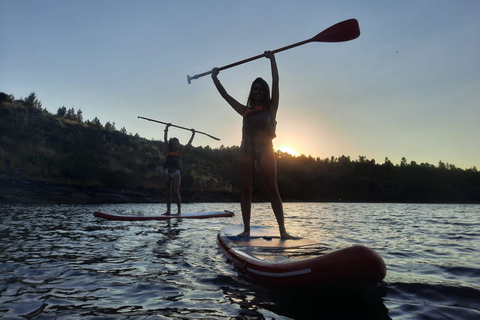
(172, 166)
(258, 131)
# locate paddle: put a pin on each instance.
(342, 31)
(179, 127)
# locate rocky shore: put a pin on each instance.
(34, 192)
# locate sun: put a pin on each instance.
(288, 149)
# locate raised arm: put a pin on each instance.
(275, 86)
(237, 106)
(165, 137)
(189, 144)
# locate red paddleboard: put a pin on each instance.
(268, 259)
(192, 215)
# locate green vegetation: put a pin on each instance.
(62, 148)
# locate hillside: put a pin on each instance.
(61, 158)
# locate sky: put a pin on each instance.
(409, 86)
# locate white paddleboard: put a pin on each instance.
(191, 215)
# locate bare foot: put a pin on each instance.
(244, 235)
(167, 213)
(285, 235)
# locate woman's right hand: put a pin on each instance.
(215, 73)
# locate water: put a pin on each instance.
(60, 262)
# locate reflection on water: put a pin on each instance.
(58, 261)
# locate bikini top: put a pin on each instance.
(173, 160)
(256, 119)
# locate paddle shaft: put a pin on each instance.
(184, 128)
(246, 60)
(342, 31)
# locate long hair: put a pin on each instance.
(266, 101)
(170, 148)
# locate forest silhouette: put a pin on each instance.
(65, 149)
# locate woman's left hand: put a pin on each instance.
(269, 54)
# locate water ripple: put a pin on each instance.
(60, 262)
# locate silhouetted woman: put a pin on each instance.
(258, 131)
(172, 166)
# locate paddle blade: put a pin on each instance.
(342, 31)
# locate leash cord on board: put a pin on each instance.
(306, 250)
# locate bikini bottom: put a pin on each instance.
(256, 150)
(173, 174)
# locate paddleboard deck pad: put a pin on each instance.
(268, 259)
(192, 215)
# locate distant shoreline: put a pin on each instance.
(35, 192)
(14, 191)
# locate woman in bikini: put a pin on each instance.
(259, 124)
(172, 167)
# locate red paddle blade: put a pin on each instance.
(342, 31)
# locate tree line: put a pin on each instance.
(64, 148)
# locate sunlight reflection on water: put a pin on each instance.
(61, 262)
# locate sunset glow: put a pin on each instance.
(348, 98)
(288, 149)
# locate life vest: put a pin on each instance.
(256, 119)
(173, 160)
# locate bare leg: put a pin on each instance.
(176, 189)
(247, 167)
(168, 188)
(268, 165)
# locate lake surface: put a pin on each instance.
(60, 262)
